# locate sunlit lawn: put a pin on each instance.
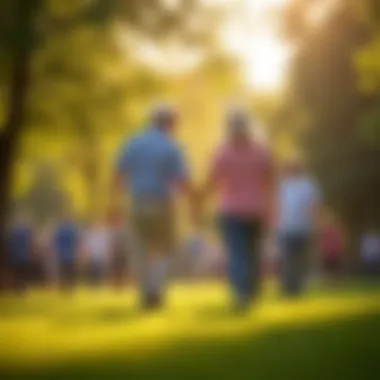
(327, 334)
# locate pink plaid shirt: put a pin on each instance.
(242, 177)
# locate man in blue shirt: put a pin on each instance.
(151, 166)
(66, 244)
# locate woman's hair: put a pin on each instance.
(238, 124)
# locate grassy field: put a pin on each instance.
(329, 334)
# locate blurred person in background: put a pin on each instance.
(46, 255)
(271, 256)
(20, 246)
(211, 263)
(96, 247)
(121, 244)
(241, 175)
(193, 249)
(298, 201)
(42, 256)
(370, 253)
(66, 244)
(331, 247)
(151, 167)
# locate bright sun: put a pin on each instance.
(265, 63)
(248, 32)
(250, 35)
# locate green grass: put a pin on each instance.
(326, 335)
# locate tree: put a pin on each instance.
(28, 29)
(21, 33)
(367, 64)
(324, 84)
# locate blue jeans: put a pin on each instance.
(241, 238)
(294, 248)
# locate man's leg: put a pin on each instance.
(151, 270)
(160, 265)
(154, 233)
(141, 265)
(163, 248)
(140, 254)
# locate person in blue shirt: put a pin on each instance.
(20, 246)
(152, 168)
(66, 239)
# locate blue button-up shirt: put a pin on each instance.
(151, 163)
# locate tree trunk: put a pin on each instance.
(20, 57)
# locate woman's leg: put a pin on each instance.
(253, 257)
(232, 231)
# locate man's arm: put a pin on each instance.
(185, 185)
(193, 196)
(214, 174)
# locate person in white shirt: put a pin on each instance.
(96, 246)
(298, 199)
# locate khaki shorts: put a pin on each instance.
(154, 226)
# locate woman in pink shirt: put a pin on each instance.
(240, 175)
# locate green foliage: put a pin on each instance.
(367, 63)
(370, 9)
(339, 141)
(370, 127)
(45, 198)
(86, 90)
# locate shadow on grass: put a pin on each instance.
(110, 315)
(331, 350)
(20, 310)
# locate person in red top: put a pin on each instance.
(331, 245)
(241, 178)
